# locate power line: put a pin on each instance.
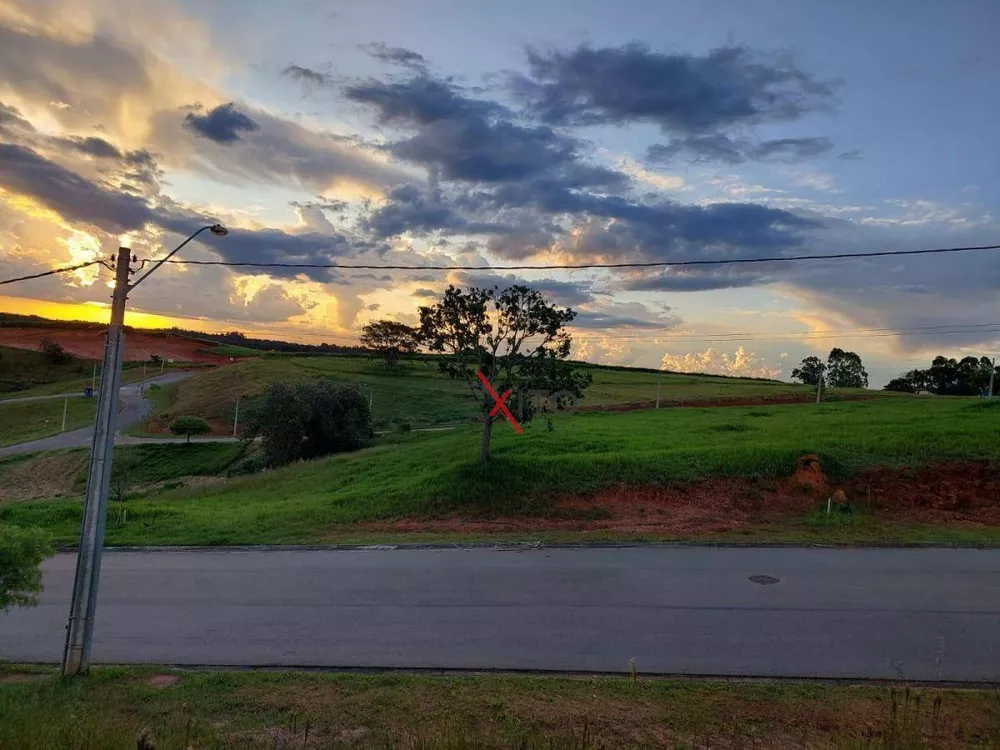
(52, 272)
(553, 267)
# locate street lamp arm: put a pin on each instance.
(216, 229)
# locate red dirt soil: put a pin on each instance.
(962, 493)
(89, 344)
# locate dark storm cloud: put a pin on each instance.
(67, 193)
(693, 281)
(396, 55)
(409, 208)
(93, 146)
(473, 140)
(222, 124)
(594, 319)
(307, 75)
(77, 199)
(722, 148)
(681, 93)
(567, 293)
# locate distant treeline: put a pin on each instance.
(235, 338)
(968, 376)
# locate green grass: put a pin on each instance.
(421, 474)
(24, 369)
(419, 395)
(38, 419)
(212, 709)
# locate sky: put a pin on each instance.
(519, 133)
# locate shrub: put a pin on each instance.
(21, 552)
(54, 352)
(189, 426)
(308, 420)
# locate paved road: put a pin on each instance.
(135, 408)
(921, 614)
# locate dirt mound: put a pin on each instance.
(89, 344)
(961, 492)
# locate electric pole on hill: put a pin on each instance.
(80, 627)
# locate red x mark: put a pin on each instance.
(500, 406)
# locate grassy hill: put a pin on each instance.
(414, 476)
(419, 395)
(22, 369)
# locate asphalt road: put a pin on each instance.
(135, 408)
(921, 614)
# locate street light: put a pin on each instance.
(217, 229)
(80, 628)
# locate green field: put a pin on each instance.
(23, 370)
(419, 395)
(212, 709)
(431, 474)
(20, 422)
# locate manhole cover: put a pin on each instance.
(765, 580)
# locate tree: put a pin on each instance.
(21, 553)
(513, 337)
(307, 420)
(845, 370)
(390, 340)
(809, 371)
(54, 352)
(189, 426)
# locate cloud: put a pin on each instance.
(396, 55)
(222, 124)
(680, 93)
(75, 198)
(307, 75)
(472, 139)
(93, 146)
(852, 155)
(425, 294)
(682, 280)
(714, 361)
(722, 148)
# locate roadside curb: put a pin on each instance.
(526, 546)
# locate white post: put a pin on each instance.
(93, 380)
(236, 419)
(80, 628)
(163, 361)
(819, 387)
(65, 407)
(993, 372)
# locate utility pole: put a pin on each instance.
(659, 378)
(93, 380)
(819, 385)
(236, 419)
(993, 372)
(80, 627)
(163, 361)
(65, 407)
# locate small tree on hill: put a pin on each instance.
(308, 420)
(189, 426)
(809, 371)
(21, 552)
(54, 352)
(390, 340)
(845, 370)
(513, 337)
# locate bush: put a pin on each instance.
(308, 420)
(21, 552)
(54, 352)
(189, 426)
